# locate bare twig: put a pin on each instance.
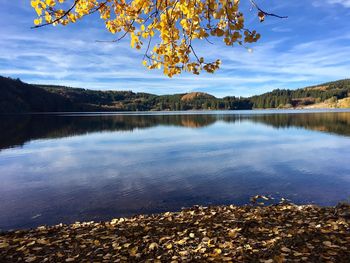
(265, 13)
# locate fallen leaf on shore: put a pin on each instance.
(270, 234)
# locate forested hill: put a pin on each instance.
(130, 101)
(17, 96)
(328, 93)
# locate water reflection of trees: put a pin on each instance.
(16, 130)
(331, 122)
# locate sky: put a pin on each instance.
(312, 46)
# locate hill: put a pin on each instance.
(17, 96)
(196, 95)
(325, 93)
(103, 100)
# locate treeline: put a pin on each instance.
(175, 102)
(130, 101)
(293, 98)
(17, 96)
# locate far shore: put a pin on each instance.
(305, 108)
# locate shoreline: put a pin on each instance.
(275, 233)
(172, 112)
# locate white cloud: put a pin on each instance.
(320, 3)
(345, 3)
(75, 62)
(70, 56)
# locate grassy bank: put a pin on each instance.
(330, 104)
(280, 233)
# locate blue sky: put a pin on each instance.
(310, 47)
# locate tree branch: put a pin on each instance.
(265, 13)
(59, 18)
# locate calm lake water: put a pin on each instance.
(70, 167)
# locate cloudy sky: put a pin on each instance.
(310, 47)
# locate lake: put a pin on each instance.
(79, 167)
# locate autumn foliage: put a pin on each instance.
(163, 29)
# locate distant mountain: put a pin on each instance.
(17, 96)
